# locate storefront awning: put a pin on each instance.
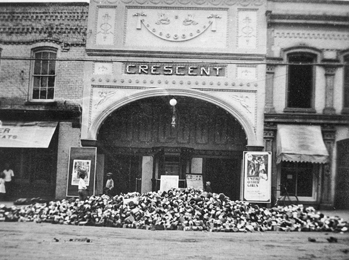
(301, 143)
(26, 134)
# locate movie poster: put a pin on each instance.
(257, 177)
(81, 166)
(81, 160)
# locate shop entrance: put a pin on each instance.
(195, 138)
(224, 175)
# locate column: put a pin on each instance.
(269, 144)
(328, 133)
(330, 71)
(269, 90)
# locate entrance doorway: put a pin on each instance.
(224, 175)
(145, 128)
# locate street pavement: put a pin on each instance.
(20, 240)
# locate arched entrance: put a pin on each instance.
(206, 140)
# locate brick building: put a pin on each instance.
(41, 81)
(307, 98)
(163, 87)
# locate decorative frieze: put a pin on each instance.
(105, 26)
(313, 35)
(186, 2)
(247, 29)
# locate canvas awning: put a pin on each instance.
(301, 143)
(35, 134)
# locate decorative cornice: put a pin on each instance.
(306, 119)
(330, 20)
(185, 2)
(178, 55)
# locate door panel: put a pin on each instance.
(342, 182)
(224, 175)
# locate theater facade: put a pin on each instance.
(174, 87)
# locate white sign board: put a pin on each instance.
(195, 181)
(257, 176)
(168, 182)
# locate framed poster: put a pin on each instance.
(81, 159)
(168, 182)
(195, 181)
(257, 177)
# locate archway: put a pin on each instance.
(206, 140)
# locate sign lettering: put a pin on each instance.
(177, 70)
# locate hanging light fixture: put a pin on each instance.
(173, 103)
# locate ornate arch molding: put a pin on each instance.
(301, 48)
(343, 54)
(246, 124)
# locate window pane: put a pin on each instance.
(36, 82)
(288, 182)
(43, 85)
(45, 62)
(50, 93)
(43, 94)
(51, 81)
(36, 93)
(37, 67)
(297, 178)
(44, 82)
(300, 82)
(346, 82)
(52, 64)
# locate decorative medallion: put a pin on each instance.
(230, 2)
(169, 2)
(126, 1)
(199, 2)
(184, 2)
(141, 1)
(245, 2)
(155, 1)
(215, 2)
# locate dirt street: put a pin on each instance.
(48, 241)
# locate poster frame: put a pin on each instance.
(81, 154)
(247, 175)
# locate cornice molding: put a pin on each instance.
(301, 19)
(293, 118)
(242, 3)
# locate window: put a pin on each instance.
(44, 74)
(297, 178)
(300, 80)
(346, 82)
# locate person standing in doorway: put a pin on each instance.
(9, 176)
(109, 185)
(208, 187)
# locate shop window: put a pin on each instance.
(43, 74)
(297, 179)
(346, 83)
(300, 81)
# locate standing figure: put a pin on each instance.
(109, 185)
(2, 187)
(9, 175)
(82, 188)
(208, 187)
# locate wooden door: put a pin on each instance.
(342, 181)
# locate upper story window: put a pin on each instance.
(300, 91)
(346, 82)
(43, 74)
